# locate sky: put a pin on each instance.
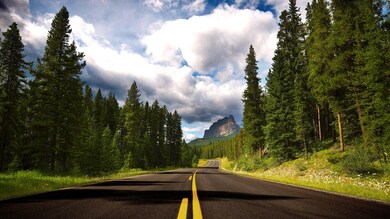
(187, 54)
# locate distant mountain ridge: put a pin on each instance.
(222, 128)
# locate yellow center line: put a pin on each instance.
(190, 177)
(196, 211)
(183, 209)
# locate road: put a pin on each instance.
(190, 193)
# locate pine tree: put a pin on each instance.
(318, 55)
(371, 82)
(303, 99)
(12, 86)
(132, 112)
(280, 135)
(177, 139)
(106, 159)
(115, 153)
(112, 112)
(86, 153)
(98, 112)
(254, 116)
(57, 98)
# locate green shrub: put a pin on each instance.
(360, 159)
(336, 158)
(301, 165)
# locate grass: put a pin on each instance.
(202, 162)
(23, 183)
(321, 172)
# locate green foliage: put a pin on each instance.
(12, 88)
(56, 99)
(360, 160)
(249, 163)
(195, 161)
(129, 162)
(15, 165)
(336, 158)
(288, 99)
(232, 148)
(254, 116)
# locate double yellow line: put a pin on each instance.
(196, 211)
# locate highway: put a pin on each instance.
(205, 192)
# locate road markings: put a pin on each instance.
(196, 211)
(183, 209)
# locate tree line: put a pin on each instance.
(54, 123)
(330, 79)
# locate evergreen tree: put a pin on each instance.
(98, 112)
(280, 135)
(12, 85)
(177, 139)
(112, 112)
(186, 155)
(288, 100)
(115, 153)
(86, 153)
(371, 82)
(57, 98)
(254, 116)
(107, 159)
(319, 53)
(132, 112)
(303, 99)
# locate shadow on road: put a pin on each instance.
(109, 191)
(130, 183)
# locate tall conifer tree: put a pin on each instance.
(57, 99)
(254, 116)
(12, 86)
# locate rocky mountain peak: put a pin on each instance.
(222, 128)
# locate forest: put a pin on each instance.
(53, 122)
(329, 82)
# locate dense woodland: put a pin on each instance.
(54, 122)
(329, 81)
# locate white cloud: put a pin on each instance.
(281, 5)
(214, 45)
(33, 30)
(195, 7)
(210, 42)
(158, 5)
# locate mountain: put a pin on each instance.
(222, 128)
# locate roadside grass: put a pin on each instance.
(202, 162)
(24, 183)
(321, 171)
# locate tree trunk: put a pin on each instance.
(3, 149)
(340, 131)
(319, 122)
(359, 112)
(261, 153)
(305, 145)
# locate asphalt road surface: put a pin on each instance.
(190, 193)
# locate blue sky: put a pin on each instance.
(188, 54)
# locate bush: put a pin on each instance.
(336, 158)
(360, 159)
(301, 166)
(249, 163)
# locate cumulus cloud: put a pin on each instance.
(158, 5)
(193, 65)
(210, 42)
(195, 7)
(281, 5)
(33, 30)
